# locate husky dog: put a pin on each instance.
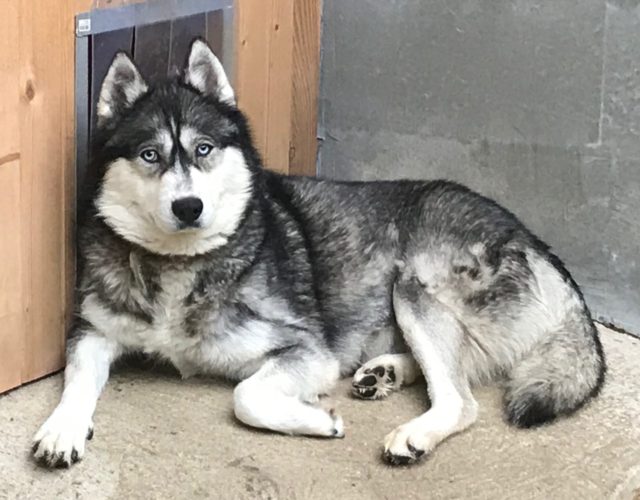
(195, 254)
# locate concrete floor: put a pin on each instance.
(159, 437)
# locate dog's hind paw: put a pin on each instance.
(405, 445)
(374, 381)
(412, 456)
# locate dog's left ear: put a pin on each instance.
(205, 73)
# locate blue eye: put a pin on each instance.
(149, 155)
(203, 150)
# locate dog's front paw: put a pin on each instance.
(60, 442)
(337, 430)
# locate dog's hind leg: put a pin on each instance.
(280, 396)
(436, 339)
(384, 374)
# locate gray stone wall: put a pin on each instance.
(533, 102)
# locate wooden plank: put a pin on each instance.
(12, 308)
(9, 89)
(277, 76)
(10, 250)
(253, 30)
(45, 160)
(11, 351)
(26, 94)
(306, 80)
(80, 6)
(280, 88)
(11, 293)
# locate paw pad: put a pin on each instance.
(374, 383)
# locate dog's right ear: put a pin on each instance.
(122, 86)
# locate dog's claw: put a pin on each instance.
(397, 459)
(413, 457)
(415, 451)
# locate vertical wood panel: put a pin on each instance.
(280, 87)
(11, 293)
(306, 81)
(45, 160)
(277, 61)
(12, 305)
(9, 78)
(26, 91)
(253, 30)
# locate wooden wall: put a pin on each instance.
(277, 75)
(277, 62)
(36, 186)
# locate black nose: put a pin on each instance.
(187, 210)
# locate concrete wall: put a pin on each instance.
(533, 102)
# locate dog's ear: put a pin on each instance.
(205, 73)
(122, 86)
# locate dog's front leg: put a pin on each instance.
(280, 396)
(61, 440)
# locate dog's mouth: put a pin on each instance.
(192, 227)
(176, 227)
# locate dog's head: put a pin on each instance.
(174, 157)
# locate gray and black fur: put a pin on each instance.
(315, 279)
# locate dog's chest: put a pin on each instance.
(150, 315)
(167, 331)
(195, 334)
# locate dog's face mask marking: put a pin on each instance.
(175, 181)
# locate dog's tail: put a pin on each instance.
(558, 376)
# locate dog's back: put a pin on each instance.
(523, 315)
